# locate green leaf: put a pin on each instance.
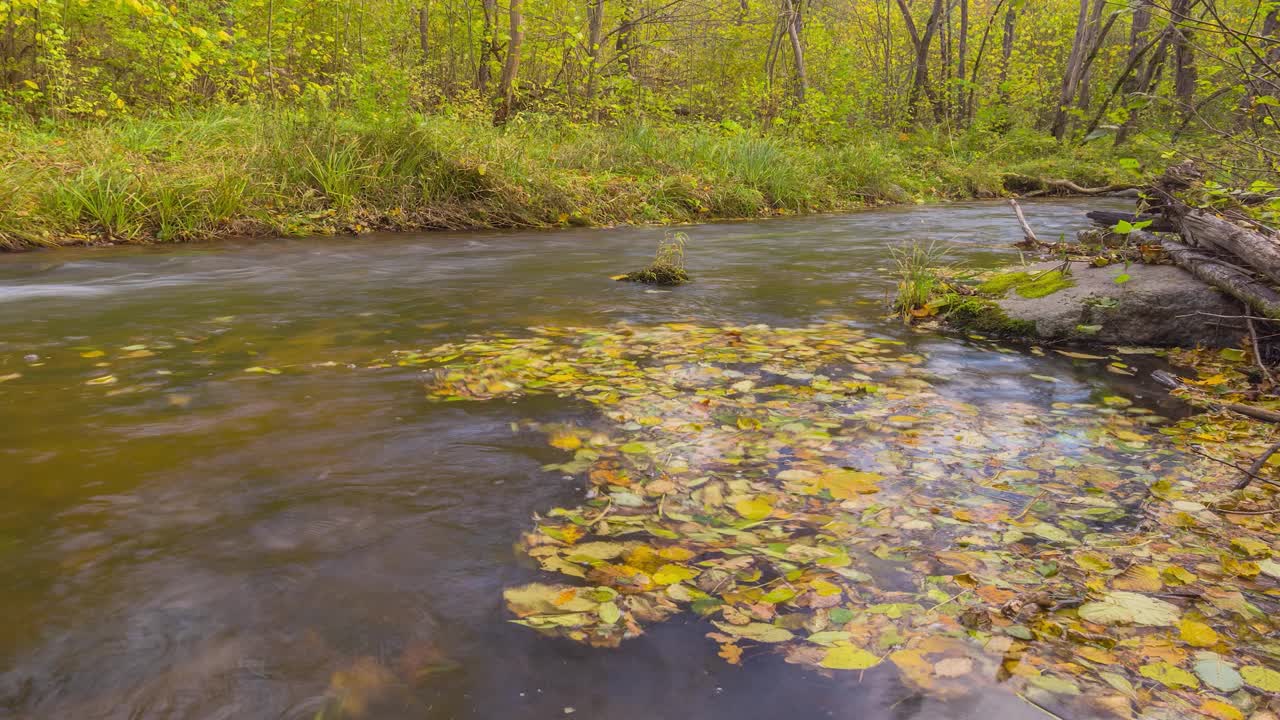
(1216, 673)
(609, 613)
(1122, 278)
(1265, 679)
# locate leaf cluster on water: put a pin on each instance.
(816, 492)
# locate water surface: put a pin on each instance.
(186, 539)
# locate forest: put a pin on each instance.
(144, 120)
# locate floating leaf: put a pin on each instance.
(1197, 633)
(756, 508)
(1217, 674)
(953, 667)
(1265, 679)
(1169, 674)
(849, 657)
(670, 574)
(1121, 607)
(760, 632)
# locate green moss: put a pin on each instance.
(1026, 284)
(1045, 284)
(984, 316)
(1000, 284)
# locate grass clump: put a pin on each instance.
(920, 271)
(667, 267)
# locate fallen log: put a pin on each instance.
(1109, 218)
(1050, 185)
(1260, 251)
(1228, 278)
(1174, 382)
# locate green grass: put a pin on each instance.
(248, 171)
(920, 271)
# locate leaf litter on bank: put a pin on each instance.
(812, 491)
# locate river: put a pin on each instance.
(213, 507)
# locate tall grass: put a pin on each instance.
(235, 171)
(920, 269)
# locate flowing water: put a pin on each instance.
(212, 507)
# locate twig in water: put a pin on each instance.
(1027, 232)
(1257, 353)
(1228, 463)
(1252, 473)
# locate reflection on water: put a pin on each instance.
(180, 538)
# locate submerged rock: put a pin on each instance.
(1134, 305)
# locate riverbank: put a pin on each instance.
(250, 172)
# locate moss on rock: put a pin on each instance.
(1026, 284)
(1045, 284)
(983, 315)
(1000, 284)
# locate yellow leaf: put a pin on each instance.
(844, 484)
(848, 657)
(676, 553)
(824, 588)
(1097, 654)
(672, 574)
(1197, 633)
(731, 653)
(1140, 578)
(755, 508)
(565, 441)
(1220, 710)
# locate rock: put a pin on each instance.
(1158, 305)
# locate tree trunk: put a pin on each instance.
(511, 67)
(1006, 47)
(1264, 82)
(1147, 82)
(423, 37)
(1071, 75)
(794, 26)
(977, 61)
(487, 41)
(595, 33)
(1184, 78)
(622, 46)
(1097, 34)
(962, 61)
(920, 66)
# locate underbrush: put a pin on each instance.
(247, 171)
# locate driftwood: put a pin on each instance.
(1028, 235)
(1109, 218)
(1261, 252)
(1175, 383)
(1229, 278)
(1067, 187)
